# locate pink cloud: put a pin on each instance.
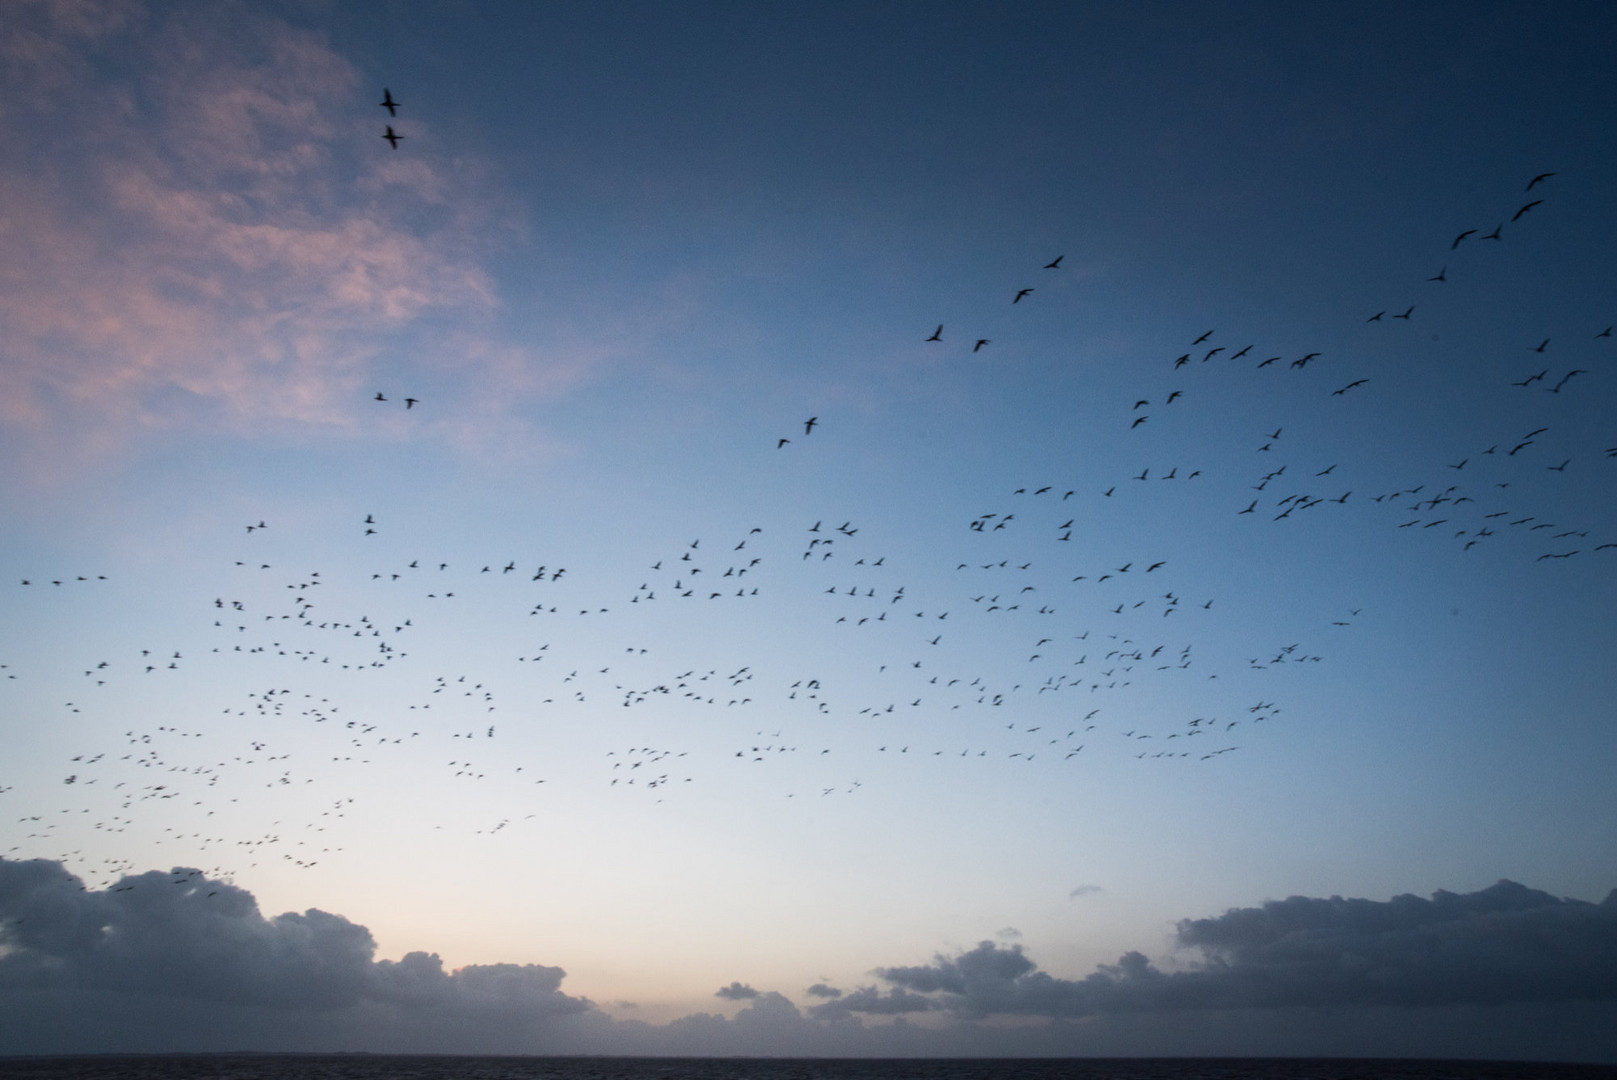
(231, 240)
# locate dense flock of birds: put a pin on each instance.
(1026, 649)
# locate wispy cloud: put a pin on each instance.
(202, 233)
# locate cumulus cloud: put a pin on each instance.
(176, 961)
(1503, 944)
(181, 938)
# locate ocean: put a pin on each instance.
(434, 1067)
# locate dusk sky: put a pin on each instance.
(888, 528)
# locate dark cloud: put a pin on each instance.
(1504, 944)
(1084, 890)
(182, 939)
(175, 961)
(870, 1001)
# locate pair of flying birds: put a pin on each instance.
(392, 108)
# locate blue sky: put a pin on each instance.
(1034, 695)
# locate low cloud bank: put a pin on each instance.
(175, 961)
(1504, 944)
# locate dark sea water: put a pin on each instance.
(391, 1067)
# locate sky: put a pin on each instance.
(850, 529)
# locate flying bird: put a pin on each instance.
(980, 343)
(1021, 294)
(1526, 208)
(808, 425)
(937, 335)
(388, 103)
(392, 137)
(1537, 179)
(1462, 236)
(1054, 264)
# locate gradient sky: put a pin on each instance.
(1033, 696)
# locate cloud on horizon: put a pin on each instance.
(176, 961)
(1503, 944)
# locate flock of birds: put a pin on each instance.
(1028, 649)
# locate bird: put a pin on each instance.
(1441, 275)
(1535, 180)
(1526, 208)
(1054, 264)
(808, 425)
(410, 403)
(392, 137)
(1407, 313)
(980, 343)
(388, 103)
(1462, 236)
(937, 335)
(1021, 294)
(379, 396)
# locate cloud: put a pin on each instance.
(183, 939)
(1504, 944)
(177, 961)
(1084, 890)
(197, 235)
(870, 1001)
